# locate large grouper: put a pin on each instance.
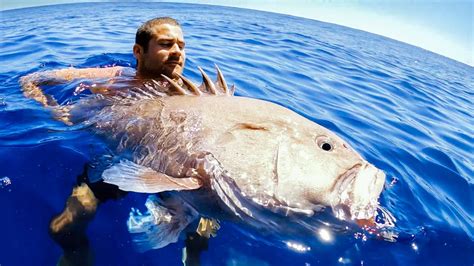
(216, 155)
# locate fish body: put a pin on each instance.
(269, 151)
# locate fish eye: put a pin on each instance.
(326, 146)
(324, 143)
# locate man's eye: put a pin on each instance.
(166, 44)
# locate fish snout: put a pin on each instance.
(357, 192)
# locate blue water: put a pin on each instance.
(407, 110)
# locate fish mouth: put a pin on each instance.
(356, 192)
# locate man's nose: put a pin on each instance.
(175, 49)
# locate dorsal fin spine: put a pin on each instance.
(221, 81)
(178, 88)
(207, 82)
(145, 93)
(155, 90)
(190, 85)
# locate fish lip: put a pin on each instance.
(347, 203)
(346, 179)
(365, 208)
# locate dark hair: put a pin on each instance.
(144, 33)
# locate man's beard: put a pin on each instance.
(155, 71)
(171, 71)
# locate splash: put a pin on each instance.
(5, 181)
(381, 227)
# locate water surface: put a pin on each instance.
(405, 109)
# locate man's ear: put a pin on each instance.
(137, 51)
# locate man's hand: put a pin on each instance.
(29, 85)
(208, 227)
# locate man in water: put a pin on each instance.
(159, 50)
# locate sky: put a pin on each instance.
(445, 27)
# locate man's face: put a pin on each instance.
(165, 54)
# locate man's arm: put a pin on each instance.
(31, 83)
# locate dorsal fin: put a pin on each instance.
(218, 87)
(153, 88)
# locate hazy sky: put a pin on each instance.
(445, 27)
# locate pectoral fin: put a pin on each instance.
(129, 176)
(161, 224)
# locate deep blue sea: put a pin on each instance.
(406, 110)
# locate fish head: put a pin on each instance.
(318, 169)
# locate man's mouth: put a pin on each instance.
(173, 61)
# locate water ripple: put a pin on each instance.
(407, 110)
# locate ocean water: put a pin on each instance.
(406, 110)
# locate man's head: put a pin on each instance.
(159, 48)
